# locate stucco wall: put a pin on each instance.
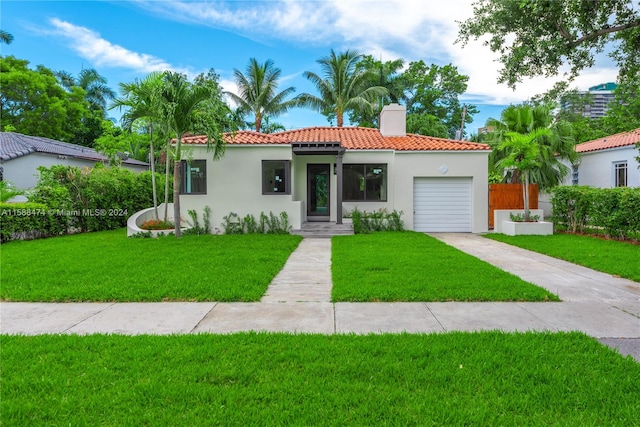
(234, 184)
(23, 171)
(596, 168)
(443, 164)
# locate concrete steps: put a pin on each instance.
(323, 229)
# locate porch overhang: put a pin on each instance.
(317, 148)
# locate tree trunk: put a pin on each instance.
(176, 197)
(152, 161)
(340, 119)
(166, 183)
(526, 195)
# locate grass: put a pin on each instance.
(488, 378)
(108, 266)
(416, 267)
(609, 256)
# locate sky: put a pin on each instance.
(126, 40)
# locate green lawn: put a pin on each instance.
(108, 266)
(415, 267)
(488, 378)
(609, 256)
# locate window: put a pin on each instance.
(276, 177)
(574, 174)
(194, 177)
(620, 174)
(364, 182)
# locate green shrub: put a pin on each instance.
(102, 197)
(27, 221)
(380, 220)
(271, 224)
(614, 211)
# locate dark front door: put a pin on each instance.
(318, 192)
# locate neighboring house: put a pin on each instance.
(21, 155)
(323, 173)
(608, 162)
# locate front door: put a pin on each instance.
(318, 192)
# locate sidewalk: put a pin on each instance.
(298, 300)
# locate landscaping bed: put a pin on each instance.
(412, 266)
(487, 378)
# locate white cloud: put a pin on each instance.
(389, 29)
(90, 45)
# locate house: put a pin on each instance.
(323, 173)
(21, 155)
(608, 162)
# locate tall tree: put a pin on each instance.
(342, 87)
(523, 154)
(195, 107)
(257, 91)
(6, 37)
(434, 91)
(141, 98)
(33, 103)
(384, 74)
(95, 86)
(554, 146)
(537, 37)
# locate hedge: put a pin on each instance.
(69, 199)
(615, 211)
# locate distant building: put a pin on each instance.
(600, 95)
(486, 129)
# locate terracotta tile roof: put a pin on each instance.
(622, 139)
(351, 138)
(239, 138)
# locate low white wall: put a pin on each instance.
(137, 219)
(500, 215)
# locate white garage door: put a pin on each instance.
(442, 204)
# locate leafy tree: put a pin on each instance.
(142, 100)
(193, 107)
(554, 146)
(624, 110)
(384, 74)
(343, 87)
(523, 153)
(434, 90)
(114, 143)
(258, 89)
(536, 37)
(427, 124)
(33, 103)
(6, 37)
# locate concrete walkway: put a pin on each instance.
(298, 300)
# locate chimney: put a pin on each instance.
(393, 120)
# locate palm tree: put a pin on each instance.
(556, 145)
(384, 74)
(523, 154)
(343, 87)
(142, 100)
(184, 107)
(5, 37)
(258, 91)
(94, 85)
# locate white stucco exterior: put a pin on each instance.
(234, 183)
(23, 171)
(596, 168)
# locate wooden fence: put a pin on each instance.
(509, 196)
